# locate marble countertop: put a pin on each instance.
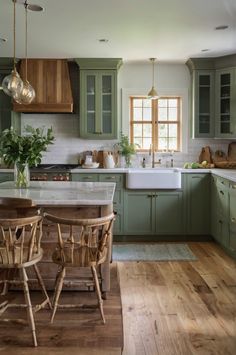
(63, 193)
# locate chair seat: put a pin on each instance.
(12, 258)
(83, 256)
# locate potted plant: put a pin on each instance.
(24, 151)
(126, 149)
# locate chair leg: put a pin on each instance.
(41, 284)
(58, 291)
(98, 292)
(29, 305)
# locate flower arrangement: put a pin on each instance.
(126, 149)
(24, 151)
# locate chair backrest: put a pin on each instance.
(82, 242)
(14, 207)
(20, 240)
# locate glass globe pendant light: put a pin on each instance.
(153, 93)
(27, 93)
(12, 84)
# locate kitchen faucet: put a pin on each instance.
(152, 154)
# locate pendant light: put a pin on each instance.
(153, 93)
(12, 84)
(27, 93)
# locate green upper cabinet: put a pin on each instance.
(202, 97)
(203, 103)
(225, 103)
(98, 98)
(213, 96)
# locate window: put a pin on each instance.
(155, 122)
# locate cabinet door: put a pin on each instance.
(203, 103)
(232, 216)
(6, 177)
(222, 231)
(198, 204)
(225, 103)
(139, 214)
(222, 198)
(98, 104)
(169, 218)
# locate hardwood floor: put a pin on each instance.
(169, 308)
(180, 308)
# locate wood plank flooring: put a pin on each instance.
(169, 308)
(180, 308)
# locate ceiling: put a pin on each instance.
(170, 30)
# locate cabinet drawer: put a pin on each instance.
(117, 178)
(85, 177)
(222, 182)
(6, 177)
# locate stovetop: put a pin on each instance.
(54, 167)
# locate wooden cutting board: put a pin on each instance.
(232, 152)
(205, 155)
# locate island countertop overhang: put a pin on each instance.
(51, 193)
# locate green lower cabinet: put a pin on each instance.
(232, 218)
(169, 212)
(84, 177)
(152, 212)
(221, 231)
(139, 212)
(6, 177)
(197, 199)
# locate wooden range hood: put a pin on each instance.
(51, 82)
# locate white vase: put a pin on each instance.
(21, 175)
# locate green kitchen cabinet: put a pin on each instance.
(197, 202)
(98, 98)
(153, 212)
(225, 103)
(220, 210)
(84, 177)
(6, 177)
(139, 212)
(203, 103)
(232, 218)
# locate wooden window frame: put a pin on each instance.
(155, 122)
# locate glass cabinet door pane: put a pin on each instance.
(90, 84)
(107, 122)
(107, 104)
(225, 93)
(106, 84)
(91, 122)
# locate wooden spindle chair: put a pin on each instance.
(20, 248)
(81, 243)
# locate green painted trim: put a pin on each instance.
(99, 63)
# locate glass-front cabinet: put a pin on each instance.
(98, 98)
(226, 105)
(203, 104)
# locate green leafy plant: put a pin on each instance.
(126, 148)
(28, 148)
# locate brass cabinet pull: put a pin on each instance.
(233, 186)
(233, 220)
(87, 177)
(222, 193)
(220, 221)
(149, 195)
(110, 177)
(222, 182)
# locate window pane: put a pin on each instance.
(172, 143)
(162, 102)
(147, 130)
(137, 102)
(137, 130)
(147, 114)
(173, 112)
(162, 143)
(173, 102)
(146, 143)
(137, 114)
(147, 103)
(162, 114)
(162, 130)
(138, 141)
(173, 130)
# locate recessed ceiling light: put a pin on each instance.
(223, 27)
(205, 50)
(2, 40)
(103, 40)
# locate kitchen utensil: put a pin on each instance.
(205, 155)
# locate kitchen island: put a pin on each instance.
(65, 199)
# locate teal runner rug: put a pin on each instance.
(152, 252)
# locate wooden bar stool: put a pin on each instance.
(20, 240)
(81, 243)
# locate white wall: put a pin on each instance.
(173, 79)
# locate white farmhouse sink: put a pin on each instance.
(153, 178)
